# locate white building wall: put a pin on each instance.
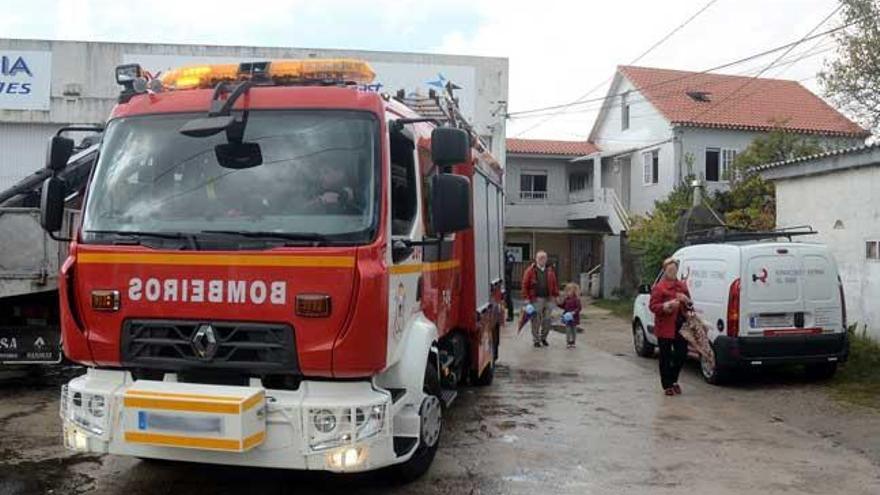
(848, 196)
(22, 150)
(532, 212)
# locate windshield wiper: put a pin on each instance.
(313, 238)
(135, 234)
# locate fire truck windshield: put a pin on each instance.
(317, 178)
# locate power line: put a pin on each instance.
(635, 60)
(785, 64)
(691, 74)
(730, 95)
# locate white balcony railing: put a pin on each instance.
(533, 195)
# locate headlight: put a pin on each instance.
(97, 405)
(88, 411)
(338, 427)
(324, 421)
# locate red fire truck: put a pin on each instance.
(278, 266)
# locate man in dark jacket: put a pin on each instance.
(540, 288)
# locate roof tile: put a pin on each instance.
(738, 102)
(550, 147)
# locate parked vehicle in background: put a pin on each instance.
(764, 303)
(279, 266)
(30, 330)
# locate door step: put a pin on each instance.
(447, 396)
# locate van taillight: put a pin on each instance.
(842, 302)
(733, 309)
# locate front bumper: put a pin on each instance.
(731, 352)
(97, 414)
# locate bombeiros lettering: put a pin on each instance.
(211, 291)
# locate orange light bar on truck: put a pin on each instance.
(286, 71)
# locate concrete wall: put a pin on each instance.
(90, 68)
(848, 197)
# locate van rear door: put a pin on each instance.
(789, 289)
(772, 295)
(823, 308)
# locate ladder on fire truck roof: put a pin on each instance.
(441, 108)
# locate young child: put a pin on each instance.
(571, 316)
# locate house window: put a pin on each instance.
(651, 165)
(728, 156)
(872, 250)
(577, 182)
(719, 163)
(533, 185)
(624, 115)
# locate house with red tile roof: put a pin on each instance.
(659, 126)
(552, 204)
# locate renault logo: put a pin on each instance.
(205, 342)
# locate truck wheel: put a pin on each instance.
(640, 341)
(431, 416)
(712, 373)
(821, 371)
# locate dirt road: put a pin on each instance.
(589, 420)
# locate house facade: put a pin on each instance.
(850, 228)
(658, 127)
(553, 204)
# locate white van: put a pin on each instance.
(765, 303)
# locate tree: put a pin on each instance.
(653, 237)
(750, 203)
(852, 80)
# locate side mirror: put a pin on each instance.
(238, 155)
(58, 153)
(644, 289)
(52, 204)
(450, 146)
(450, 203)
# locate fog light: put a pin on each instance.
(347, 458)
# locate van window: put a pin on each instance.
(773, 278)
(820, 284)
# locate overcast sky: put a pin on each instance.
(558, 50)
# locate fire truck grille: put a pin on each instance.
(169, 345)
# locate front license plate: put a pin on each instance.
(27, 345)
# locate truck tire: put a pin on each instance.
(431, 413)
(641, 345)
(821, 371)
(713, 374)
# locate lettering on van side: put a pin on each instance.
(208, 291)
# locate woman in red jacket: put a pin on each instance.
(669, 300)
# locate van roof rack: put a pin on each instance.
(729, 234)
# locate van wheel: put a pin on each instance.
(640, 341)
(821, 371)
(711, 372)
(431, 425)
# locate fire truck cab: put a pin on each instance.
(278, 266)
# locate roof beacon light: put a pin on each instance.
(287, 71)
